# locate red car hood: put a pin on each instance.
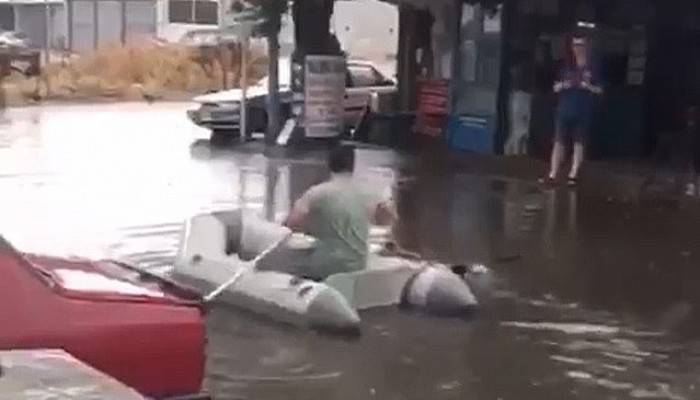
(109, 280)
(142, 330)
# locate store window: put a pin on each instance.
(193, 12)
(7, 17)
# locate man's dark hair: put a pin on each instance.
(342, 159)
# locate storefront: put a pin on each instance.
(477, 75)
(498, 62)
(450, 69)
(618, 31)
(673, 79)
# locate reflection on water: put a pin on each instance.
(583, 298)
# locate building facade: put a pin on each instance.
(500, 58)
(79, 25)
(95, 23)
(43, 22)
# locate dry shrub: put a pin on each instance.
(154, 71)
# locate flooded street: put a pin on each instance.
(586, 296)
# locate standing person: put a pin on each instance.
(578, 86)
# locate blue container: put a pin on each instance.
(471, 133)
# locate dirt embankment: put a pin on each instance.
(148, 73)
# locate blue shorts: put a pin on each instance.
(572, 127)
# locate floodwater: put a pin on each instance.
(586, 296)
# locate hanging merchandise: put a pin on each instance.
(431, 115)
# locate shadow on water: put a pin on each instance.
(583, 296)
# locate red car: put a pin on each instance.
(143, 330)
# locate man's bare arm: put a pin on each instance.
(298, 215)
(384, 213)
(296, 220)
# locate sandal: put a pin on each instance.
(572, 182)
(547, 181)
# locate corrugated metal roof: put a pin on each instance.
(31, 2)
(55, 2)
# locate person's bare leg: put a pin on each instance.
(579, 154)
(557, 158)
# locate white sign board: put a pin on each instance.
(237, 32)
(324, 91)
(235, 26)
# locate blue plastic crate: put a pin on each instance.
(471, 133)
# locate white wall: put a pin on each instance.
(109, 14)
(368, 29)
(31, 19)
(82, 25)
(59, 30)
(140, 22)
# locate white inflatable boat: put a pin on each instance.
(214, 246)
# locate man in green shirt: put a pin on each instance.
(338, 213)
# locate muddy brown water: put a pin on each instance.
(586, 296)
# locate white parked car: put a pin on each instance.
(220, 111)
(14, 40)
(201, 38)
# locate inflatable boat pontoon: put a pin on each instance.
(215, 246)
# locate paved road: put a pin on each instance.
(587, 297)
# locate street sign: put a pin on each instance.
(324, 89)
(234, 25)
(236, 33)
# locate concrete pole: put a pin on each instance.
(271, 178)
(95, 24)
(69, 23)
(122, 5)
(224, 62)
(47, 32)
(162, 16)
(242, 188)
(243, 127)
(223, 4)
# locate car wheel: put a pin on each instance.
(222, 136)
(257, 121)
(285, 113)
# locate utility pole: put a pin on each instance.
(236, 31)
(69, 24)
(95, 24)
(244, 86)
(122, 33)
(47, 32)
